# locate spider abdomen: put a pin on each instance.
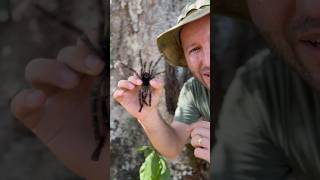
(147, 73)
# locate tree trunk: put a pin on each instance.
(135, 26)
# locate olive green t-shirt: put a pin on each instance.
(269, 126)
(193, 102)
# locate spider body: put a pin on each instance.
(145, 78)
(147, 73)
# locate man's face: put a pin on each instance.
(195, 40)
(293, 28)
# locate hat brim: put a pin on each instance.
(169, 41)
(232, 8)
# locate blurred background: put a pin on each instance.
(25, 33)
(234, 42)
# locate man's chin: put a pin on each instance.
(206, 81)
(310, 67)
(311, 76)
(314, 82)
(206, 84)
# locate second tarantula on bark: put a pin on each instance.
(147, 73)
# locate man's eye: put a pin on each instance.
(194, 50)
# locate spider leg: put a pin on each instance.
(105, 108)
(96, 128)
(94, 110)
(154, 75)
(106, 105)
(144, 67)
(131, 69)
(101, 139)
(70, 27)
(155, 64)
(144, 95)
(150, 65)
(150, 97)
(97, 151)
(140, 100)
(106, 119)
(145, 99)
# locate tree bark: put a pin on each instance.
(135, 26)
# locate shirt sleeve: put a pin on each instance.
(242, 151)
(186, 111)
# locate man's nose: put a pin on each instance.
(308, 8)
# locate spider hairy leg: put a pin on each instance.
(150, 65)
(131, 69)
(150, 98)
(155, 64)
(154, 75)
(140, 100)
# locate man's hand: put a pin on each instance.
(200, 139)
(57, 108)
(128, 92)
(167, 139)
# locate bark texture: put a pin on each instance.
(135, 26)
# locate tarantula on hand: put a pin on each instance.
(99, 95)
(147, 73)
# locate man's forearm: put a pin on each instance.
(162, 136)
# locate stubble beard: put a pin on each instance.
(285, 49)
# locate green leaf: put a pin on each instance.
(149, 169)
(155, 166)
(146, 150)
(165, 170)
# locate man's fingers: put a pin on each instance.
(135, 80)
(124, 84)
(199, 141)
(80, 60)
(204, 132)
(92, 35)
(202, 154)
(51, 73)
(118, 94)
(202, 124)
(157, 83)
(27, 103)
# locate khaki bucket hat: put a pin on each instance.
(233, 8)
(169, 41)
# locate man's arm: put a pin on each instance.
(167, 139)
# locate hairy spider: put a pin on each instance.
(147, 73)
(99, 95)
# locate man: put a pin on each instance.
(269, 123)
(56, 109)
(186, 44)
